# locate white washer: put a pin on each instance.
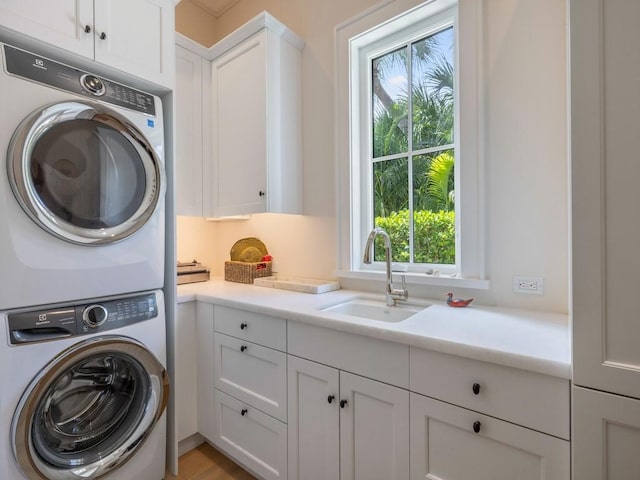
(82, 194)
(84, 390)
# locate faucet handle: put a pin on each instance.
(404, 282)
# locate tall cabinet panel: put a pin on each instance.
(605, 107)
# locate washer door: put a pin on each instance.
(89, 410)
(84, 173)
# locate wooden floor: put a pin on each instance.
(206, 463)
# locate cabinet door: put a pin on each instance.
(605, 105)
(445, 446)
(606, 436)
(61, 23)
(188, 122)
(374, 430)
(314, 449)
(136, 37)
(239, 112)
(184, 381)
(206, 374)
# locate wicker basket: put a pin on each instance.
(243, 272)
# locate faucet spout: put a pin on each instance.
(392, 293)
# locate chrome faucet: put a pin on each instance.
(393, 294)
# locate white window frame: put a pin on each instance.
(357, 42)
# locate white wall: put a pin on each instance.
(525, 142)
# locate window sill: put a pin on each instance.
(441, 280)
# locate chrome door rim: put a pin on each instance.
(21, 427)
(23, 143)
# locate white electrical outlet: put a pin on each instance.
(530, 285)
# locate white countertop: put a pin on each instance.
(534, 341)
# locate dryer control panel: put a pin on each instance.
(72, 320)
(37, 68)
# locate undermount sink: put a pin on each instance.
(375, 310)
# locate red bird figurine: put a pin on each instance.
(457, 302)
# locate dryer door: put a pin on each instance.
(89, 410)
(84, 173)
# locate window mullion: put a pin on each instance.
(438, 148)
(410, 147)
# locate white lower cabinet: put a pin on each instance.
(453, 443)
(256, 440)
(344, 426)
(289, 400)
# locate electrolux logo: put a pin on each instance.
(42, 319)
(39, 63)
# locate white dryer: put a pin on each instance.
(82, 195)
(84, 390)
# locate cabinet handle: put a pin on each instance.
(261, 193)
(243, 412)
(331, 398)
(243, 326)
(87, 29)
(476, 426)
(476, 388)
(343, 403)
(243, 348)
(103, 36)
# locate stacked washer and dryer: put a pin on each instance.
(83, 384)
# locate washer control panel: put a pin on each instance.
(36, 68)
(67, 321)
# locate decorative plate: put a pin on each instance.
(248, 249)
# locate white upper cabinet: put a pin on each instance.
(135, 37)
(67, 24)
(255, 129)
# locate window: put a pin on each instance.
(411, 148)
(412, 152)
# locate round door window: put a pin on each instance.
(84, 173)
(90, 410)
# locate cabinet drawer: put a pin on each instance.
(514, 395)
(387, 362)
(254, 439)
(452, 442)
(254, 327)
(254, 374)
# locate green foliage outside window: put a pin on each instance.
(434, 236)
